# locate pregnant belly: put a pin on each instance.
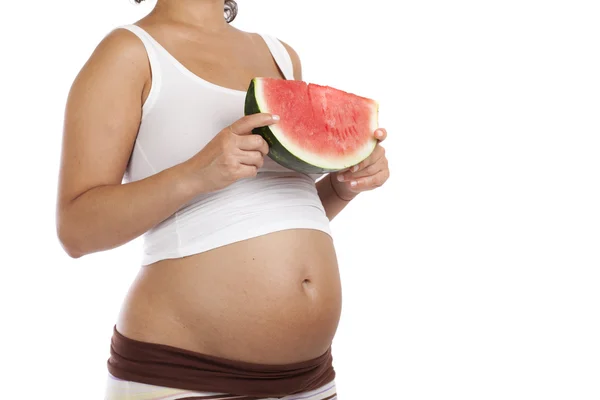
(272, 299)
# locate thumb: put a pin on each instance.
(245, 125)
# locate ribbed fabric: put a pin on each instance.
(183, 112)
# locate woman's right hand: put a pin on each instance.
(233, 154)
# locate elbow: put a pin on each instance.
(68, 240)
(72, 251)
(70, 246)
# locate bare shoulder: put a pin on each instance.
(119, 50)
(102, 114)
(295, 60)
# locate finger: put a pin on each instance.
(375, 156)
(253, 142)
(381, 134)
(246, 171)
(369, 182)
(246, 124)
(251, 158)
(340, 172)
(372, 169)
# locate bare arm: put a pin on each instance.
(332, 203)
(95, 211)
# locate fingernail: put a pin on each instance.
(355, 168)
(353, 183)
(275, 117)
(340, 178)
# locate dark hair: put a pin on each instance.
(231, 9)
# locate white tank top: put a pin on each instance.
(181, 115)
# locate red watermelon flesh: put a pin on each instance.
(321, 126)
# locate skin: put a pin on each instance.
(271, 299)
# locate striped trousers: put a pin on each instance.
(117, 389)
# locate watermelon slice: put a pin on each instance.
(321, 129)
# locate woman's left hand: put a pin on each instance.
(367, 175)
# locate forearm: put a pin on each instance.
(106, 217)
(332, 203)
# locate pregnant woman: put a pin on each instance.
(239, 295)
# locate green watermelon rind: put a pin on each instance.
(290, 156)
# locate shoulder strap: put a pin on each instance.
(151, 47)
(281, 55)
(149, 43)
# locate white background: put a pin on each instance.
(473, 274)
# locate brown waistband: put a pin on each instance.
(167, 366)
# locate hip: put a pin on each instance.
(139, 370)
(118, 389)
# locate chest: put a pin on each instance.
(226, 63)
(198, 89)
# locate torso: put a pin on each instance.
(271, 299)
(274, 298)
